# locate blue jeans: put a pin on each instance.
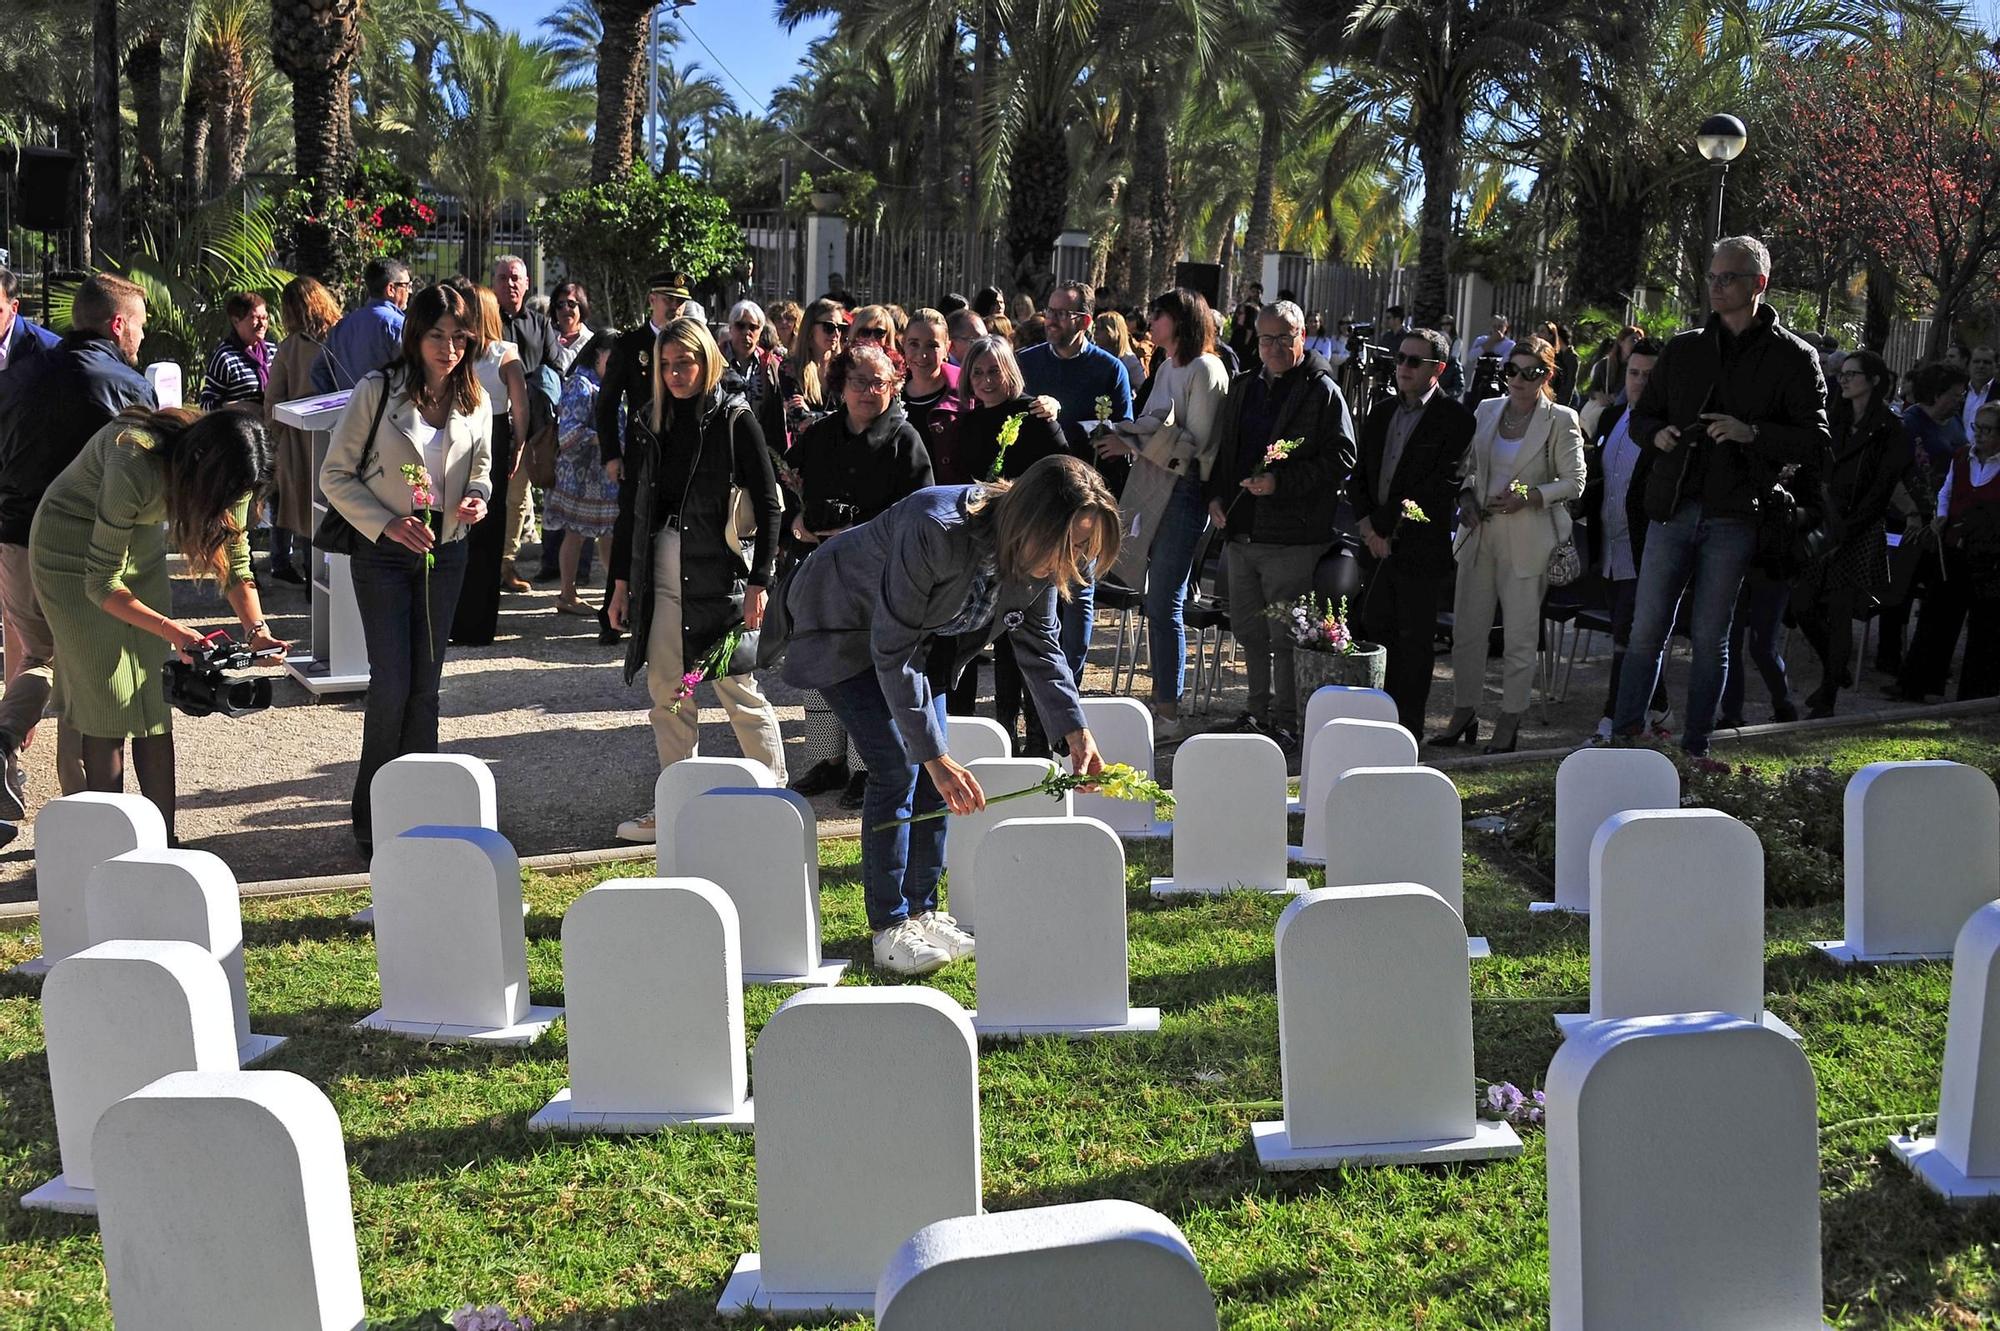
(399, 605)
(1757, 634)
(1705, 558)
(901, 865)
(1168, 563)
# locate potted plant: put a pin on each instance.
(1324, 649)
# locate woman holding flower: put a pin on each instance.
(1524, 464)
(948, 569)
(428, 411)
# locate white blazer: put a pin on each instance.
(1550, 461)
(373, 501)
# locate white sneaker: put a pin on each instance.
(1603, 735)
(944, 931)
(639, 830)
(906, 949)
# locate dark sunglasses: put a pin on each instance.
(1513, 371)
(747, 326)
(870, 334)
(831, 327)
(565, 305)
(1417, 362)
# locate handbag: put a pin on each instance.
(335, 534)
(1565, 564)
(538, 457)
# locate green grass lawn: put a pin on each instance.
(455, 1201)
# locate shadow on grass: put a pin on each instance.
(423, 1153)
(304, 929)
(1887, 1246)
(1188, 988)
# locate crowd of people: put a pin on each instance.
(877, 502)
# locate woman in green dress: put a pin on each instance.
(98, 556)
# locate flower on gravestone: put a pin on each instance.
(1503, 1101)
(492, 1317)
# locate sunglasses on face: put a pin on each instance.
(1417, 362)
(828, 326)
(1530, 372)
(747, 326)
(870, 334)
(565, 305)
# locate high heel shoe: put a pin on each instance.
(1463, 728)
(1506, 732)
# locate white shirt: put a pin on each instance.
(1980, 471)
(1621, 457)
(435, 449)
(487, 367)
(1974, 399)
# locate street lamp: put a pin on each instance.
(1721, 139)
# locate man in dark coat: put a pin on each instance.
(21, 338)
(1729, 406)
(1410, 451)
(534, 337)
(50, 406)
(1277, 516)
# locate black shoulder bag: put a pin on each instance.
(335, 534)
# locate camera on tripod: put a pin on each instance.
(203, 686)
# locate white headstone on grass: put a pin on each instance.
(836, 1070)
(1336, 702)
(653, 1003)
(1591, 785)
(1676, 918)
(115, 1017)
(429, 790)
(1106, 1265)
(1399, 825)
(1034, 980)
(449, 944)
(970, 738)
(761, 847)
(1961, 1160)
(73, 835)
(1340, 745)
(224, 1206)
(681, 782)
(185, 895)
(1683, 1178)
(1922, 852)
(963, 835)
(1229, 817)
(1123, 730)
(1375, 1034)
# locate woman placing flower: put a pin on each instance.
(949, 568)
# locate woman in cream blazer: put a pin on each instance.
(1526, 459)
(425, 411)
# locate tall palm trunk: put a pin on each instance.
(986, 50)
(1611, 239)
(104, 136)
(621, 79)
(194, 142)
(142, 70)
(1259, 232)
(229, 110)
(1037, 197)
(1146, 130)
(1439, 135)
(1881, 303)
(312, 43)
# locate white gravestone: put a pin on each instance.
(1335, 702)
(653, 1003)
(1962, 1161)
(449, 943)
(114, 1017)
(970, 738)
(1034, 980)
(867, 1130)
(1375, 1034)
(1922, 852)
(1339, 745)
(1229, 817)
(1123, 730)
(1591, 785)
(963, 835)
(1683, 1179)
(73, 835)
(429, 790)
(225, 1207)
(1676, 919)
(761, 847)
(1106, 1265)
(188, 895)
(1399, 825)
(682, 781)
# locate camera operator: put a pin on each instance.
(98, 556)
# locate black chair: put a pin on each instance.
(1206, 616)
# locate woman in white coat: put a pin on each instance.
(1525, 461)
(425, 411)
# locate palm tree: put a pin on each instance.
(104, 123)
(689, 97)
(313, 44)
(621, 79)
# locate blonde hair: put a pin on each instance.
(690, 335)
(1001, 326)
(929, 316)
(489, 314)
(1108, 331)
(1029, 521)
(1002, 353)
(872, 316)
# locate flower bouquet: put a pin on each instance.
(1010, 430)
(1120, 781)
(1324, 648)
(711, 666)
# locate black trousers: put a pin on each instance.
(476, 618)
(1951, 604)
(1399, 610)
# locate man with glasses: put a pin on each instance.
(1730, 405)
(1410, 450)
(1980, 390)
(370, 337)
(965, 328)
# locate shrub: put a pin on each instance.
(613, 235)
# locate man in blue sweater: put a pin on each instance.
(368, 338)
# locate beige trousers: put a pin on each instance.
(676, 734)
(517, 509)
(1483, 581)
(30, 667)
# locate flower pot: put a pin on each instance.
(826, 201)
(1361, 668)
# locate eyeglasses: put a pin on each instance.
(1726, 279)
(1275, 339)
(1064, 315)
(870, 335)
(399, 286)
(1513, 371)
(875, 385)
(1417, 362)
(829, 326)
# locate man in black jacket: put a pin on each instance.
(1278, 515)
(1728, 407)
(50, 406)
(1409, 454)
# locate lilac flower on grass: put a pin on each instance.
(492, 1317)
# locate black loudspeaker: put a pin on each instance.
(47, 184)
(1203, 277)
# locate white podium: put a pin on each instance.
(334, 657)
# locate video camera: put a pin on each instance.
(204, 686)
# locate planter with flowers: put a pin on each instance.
(1324, 649)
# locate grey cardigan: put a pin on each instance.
(874, 597)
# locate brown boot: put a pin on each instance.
(510, 581)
